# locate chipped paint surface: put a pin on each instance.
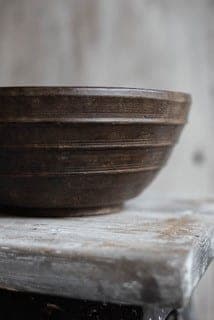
(150, 253)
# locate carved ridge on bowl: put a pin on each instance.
(75, 147)
(85, 172)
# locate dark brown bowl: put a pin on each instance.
(84, 147)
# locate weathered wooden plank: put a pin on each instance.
(149, 253)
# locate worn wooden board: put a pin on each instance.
(154, 252)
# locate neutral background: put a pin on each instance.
(165, 44)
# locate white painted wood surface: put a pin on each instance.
(150, 253)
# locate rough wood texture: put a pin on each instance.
(150, 253)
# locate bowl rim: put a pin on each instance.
(101, 91)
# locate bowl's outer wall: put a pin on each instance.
(83, 148)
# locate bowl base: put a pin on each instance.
(58, 212)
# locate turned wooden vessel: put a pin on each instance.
(84, 147)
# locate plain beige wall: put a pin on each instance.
(144, 43)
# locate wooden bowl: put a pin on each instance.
(84, 147)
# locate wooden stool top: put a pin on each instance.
(153, 252)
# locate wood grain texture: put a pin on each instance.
(153, 253)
